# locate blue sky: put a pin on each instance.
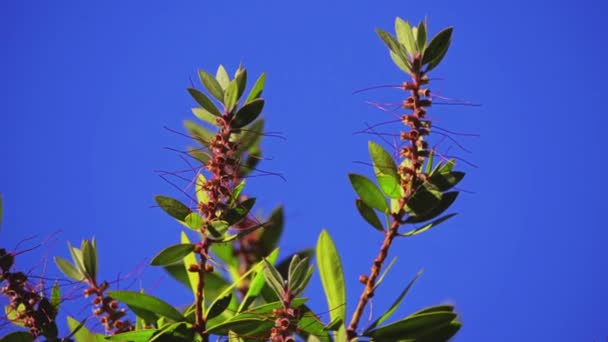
(87, 87)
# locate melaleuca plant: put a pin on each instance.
(228, 258)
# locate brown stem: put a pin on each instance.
(368, 292)
(200, 322)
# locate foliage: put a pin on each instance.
(259, 296)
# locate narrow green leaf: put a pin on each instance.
(257, 89)
(236, 193)
(393, 307)
(446, 201)
(250, 136)
(421, 36)
(413, 326)
(257, 283)
(301, 284)
(17, 336)
(384, 273)
(429, 163)
(231, 95)
(218, 306)
(146, 302)
(68, 269)
(173, 207)
(222, 77)
(172, 254)
(274, 279)
(368, 192)
(56, 296)
(369, 214)
(248, 113)
(238, 212)
(77, 258)
(385, 170)
(273, 230)
(267, 308)
(332, 276)
(204, 102)
(81, 333)
(428, 226)
(437, 47)
(133, 336)
(212, 85)
(89, 259)
(311, 324)
(190, 259)
(402, 63)
(405, 36)
(240, 78)
(283, 265)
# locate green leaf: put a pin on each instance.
(402, 63)
(405, 36)
(237, 213)
(446, 181)
(212, 85)
(272, 231)
(274, 279)
(429, 163)
(446, 200)
(134, 336)
(394, 306)
(12, 315)
(248, 113)
(81, 333)
(231, 95)
(368, 192)
(217, 229)
(437, 48)
(421, 38)
(77, 259)
(68, 269)
(385, 170)
(204, 115)
(393, 46)
(428, 226)
(172, 254)
(194, 221)
(218, 306)
(413, 326)
(332, 276)
(435, 308)
(244, 327)
(56, 296)
(369, 215)
(240, 78)
(257, 89)
(423, 201)
(257, 283)
(89, 258)
(311, 324)
(222, 77)
(201, 134)
(17, 336)
(236, 193)
(147, 303)
(173, 207)
(301, 283)
(384, 273)
(249, 137)
(204, 102)
(190, 259)
(201, 194)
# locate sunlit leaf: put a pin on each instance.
(257, 283)
(332, 276)
(190, 259)
(257, 89)
(68, 269)
(405, 36)
(385, 170)
(368, 192)
(89, 259)
(212, 85)
(134, 336)
(222, 77)
(231, 95)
